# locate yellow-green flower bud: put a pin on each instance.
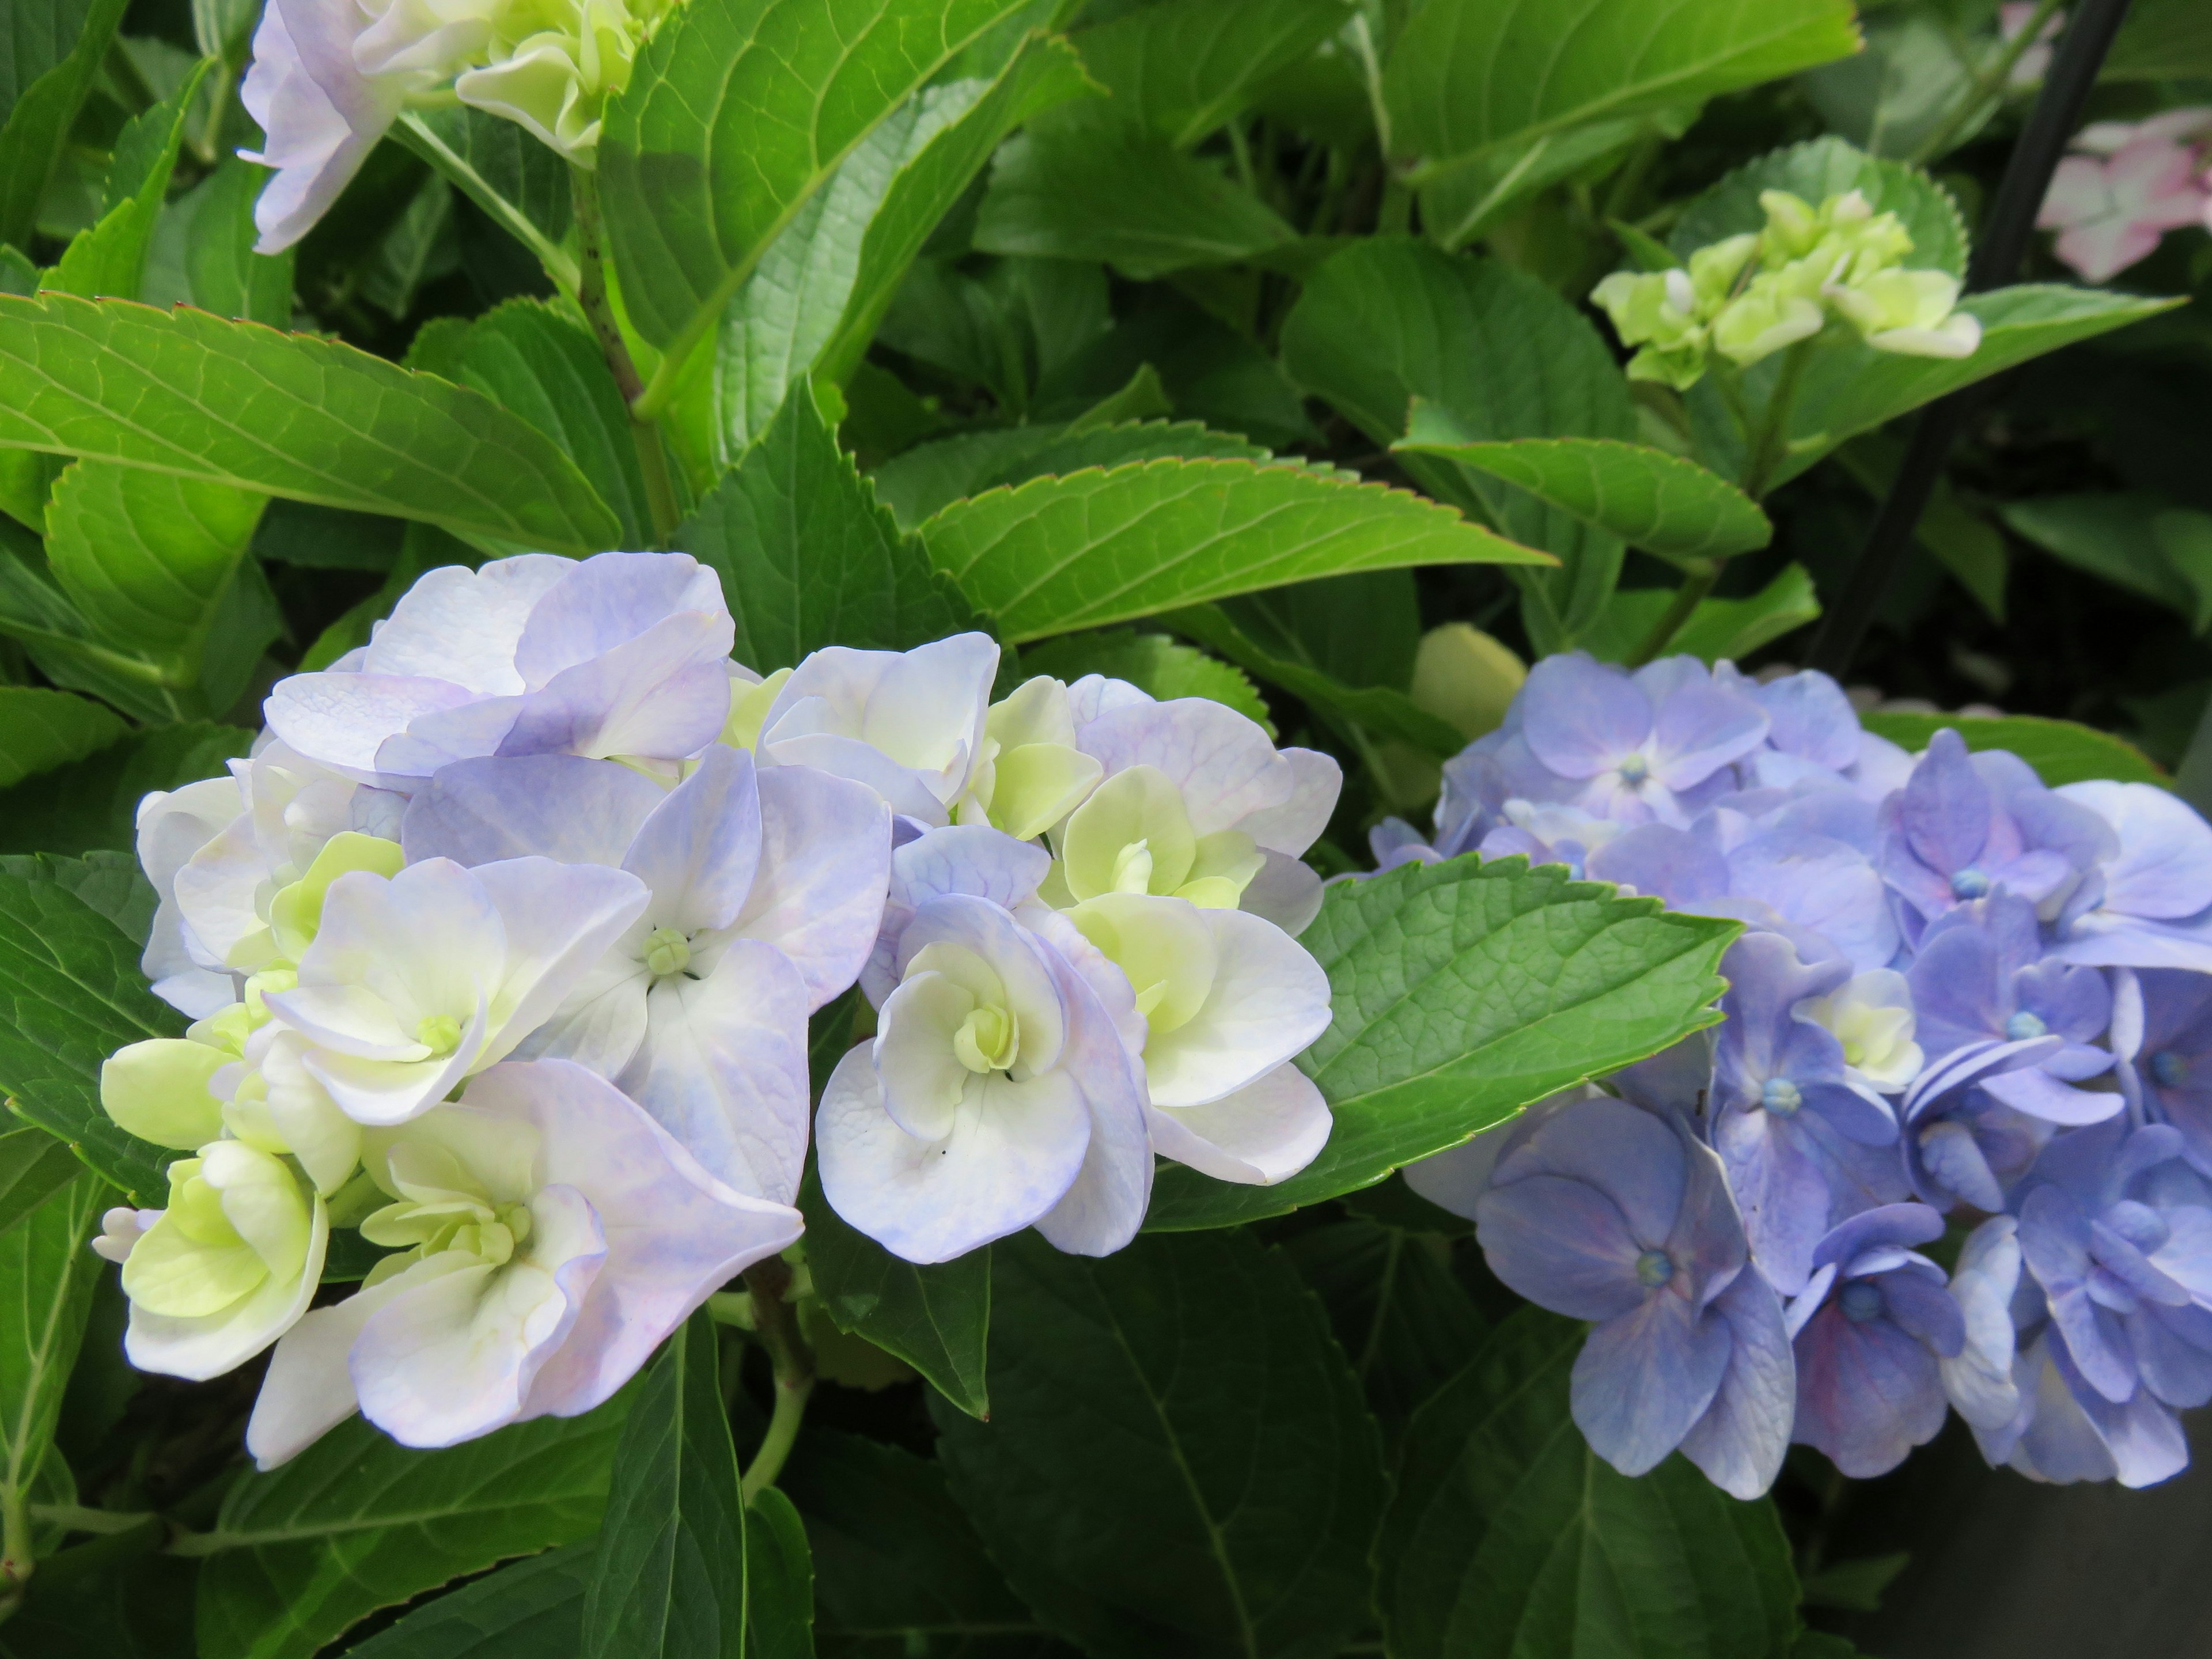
(1762, 321)
(1911, 313)
(296, 912)
(158, 1091)
(749, 707)
(1030, 774)
(1463, 675)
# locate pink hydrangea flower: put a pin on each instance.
(2135, 181)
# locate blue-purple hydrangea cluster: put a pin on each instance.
(1959, 994)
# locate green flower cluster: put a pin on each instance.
(1748, 297)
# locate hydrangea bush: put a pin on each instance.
(971, 826)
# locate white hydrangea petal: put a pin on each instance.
(971, 859)
(198, 1347)
(664, 695)
(699, 848)
(344, 721)
(1287, 891)
(1104, 1205)
(558, 921)
(923, 1078)
(465, 625)
(609, 600)
(321, 114)
(602, 1024)
(1225, 764)
(1264, 1132)
(558, 806)
(1269, 1002)
(1316, 781)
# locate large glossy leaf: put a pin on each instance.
(2061, 751)
(33, 1166)
(1468, 76)
(46, 1274)
(1177, 1459)
(1101, 547)
(779, 1580)
(203, 251)
(287, 415)
(938, 1319)
(896, 1566)
(109, 257)
(1181, 68)
(1463, 991)
(93, 803)
(356, 1522)
(70, 995)
(110, 882)
(40, 729)
(54, 49)
(1084, 186)
(737, 112)
(1647, 497)
(531, 1610)
(1388, 320)
(1509, 1536)
(669, 1579)
(806, 556)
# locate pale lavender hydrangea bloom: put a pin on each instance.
(2147, 902)
(1603, 1212)
(2166, 1053)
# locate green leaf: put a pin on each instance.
(1152, 663)
(1508, 1535)
(929, 477)
(110, 882)
(287, 415)
(779, 1577)
(1647, 498)
(819, 292)
(806, 556)
(2130, 539)
(46, 1274)
(1855, 1585)
(1900, 93)
(56, 48)
(737, 112)
(34, 1165)
(669, 1581)
(93, 802)
(1097, 548)
(937, 1319)
(417, 248)
(895, 1560)
(2061, 751)
(1465, 201)
(2161, 40)
(520, 183)
(41, 730)
(1469, 76)
(1388, 320)
(1083, 186)
(1383, 710)
(1401, 1317)
(71, 994)
(209, 233)
(1177, 1459)
(1463, 991)
(531, 1610)
(1733, 628)
(110, 258)
(356, 1522)
(1181, 68)
(1815, 171)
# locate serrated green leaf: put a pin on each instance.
(737, 112)
(46, 1274)
(929, 477)
(356, 1522)
(1462, 991)
(1181, 68)
(1508, 1535)
(1152, 663)
(417, 247)
(937, 1319)
(1660, 502)
(56, 48)
(1733, 628)
(110, 882)
(527, 1611)
(1815, 171)
(1177, 1458)
(895, 1560)
(807, 558)
(671, 1581)
(2061, 751)
(1463, 202)
(109, 259)
(1388, 320)
(93, 802)
(34, 1165)
(203, 251)
(779, 1580)
(1101, 547)
(71, 994)
(235, 403)
(1083, 186)
(1469, 76)
(2114, 535)
(521, 183)
(40, 729)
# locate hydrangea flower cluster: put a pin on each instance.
(1959, 994)
(1751, 295)
(501, 951)
(2125, 185)
(329, 77)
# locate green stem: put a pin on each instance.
(16, 1556)
(73, 1517)
(777, 1325)
(1370, 72)
(598, 311)
(1772, 447)
(1988, 84)
(1688, 597)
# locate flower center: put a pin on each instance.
(986, 1040)
(1133, 868)
(2023, 1025)
(1969, 884)
(667, 952)
(1780, 1095)
(439, 1033)
(2169, 1069)
(1654, 1268)
(1634, 769)
(1861, 1300)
